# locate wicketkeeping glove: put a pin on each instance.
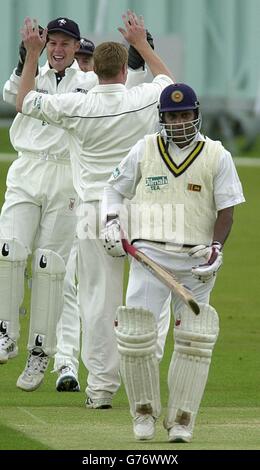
(112, 239)
(205, 272)
(22, 55)
(135, 60)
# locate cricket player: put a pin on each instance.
(66, 361)
(185, 187)
(102, 127)
(39, 214)
(84, 55)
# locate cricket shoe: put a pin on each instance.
(33, 374)
(144, 427)
(99, 403)
(179, 433)
(8, 348)
(67, 380)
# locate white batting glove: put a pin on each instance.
(200, 251)
(112, 239)
(205, 272)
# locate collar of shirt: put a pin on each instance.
(111, 87)
(47, 69)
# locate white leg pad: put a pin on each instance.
(136, 334)
(46, 300)
(13, 257)
(163, 328)
(194, 338)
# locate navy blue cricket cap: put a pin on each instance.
(178, 97)
(65, 26)
(86, 47)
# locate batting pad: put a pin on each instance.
(136, 334)
(194, 338)
(13, 257)
(46, 300)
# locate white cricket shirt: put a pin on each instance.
(103, 126)
(32, 135)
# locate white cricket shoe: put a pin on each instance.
(67, 380)
(102, 403)
(33, 374)
(8, 348)
(144, 427)
(179, 433)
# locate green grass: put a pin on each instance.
(5, 144)
(72, 427)
(229, 416)
(240, 144)
(3, 171)
(249, 149)
(19, 440)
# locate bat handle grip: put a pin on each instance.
(128, 247)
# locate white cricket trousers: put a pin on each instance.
(39, 211)
(40, 205)
(100, 294)
(68, 328)
(146, 291)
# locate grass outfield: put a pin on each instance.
(229, 416)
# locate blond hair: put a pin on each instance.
(109, 58)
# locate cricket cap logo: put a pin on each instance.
(65, 26)
(177, 96)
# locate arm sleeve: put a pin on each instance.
(162, 81)
(122, 184)
(59, 110)
(11, 88)
(111, 203)
(227, 186)
(135, 77)
(127, 174)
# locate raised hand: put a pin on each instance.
(134, 31)
(34, 39)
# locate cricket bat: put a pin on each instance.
(165, 276)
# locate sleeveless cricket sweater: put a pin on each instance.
(175, 202)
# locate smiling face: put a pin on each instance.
(61, 50)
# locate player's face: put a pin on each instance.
(86, 62)
(61, 50)
(180, 125)
(175, 117)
